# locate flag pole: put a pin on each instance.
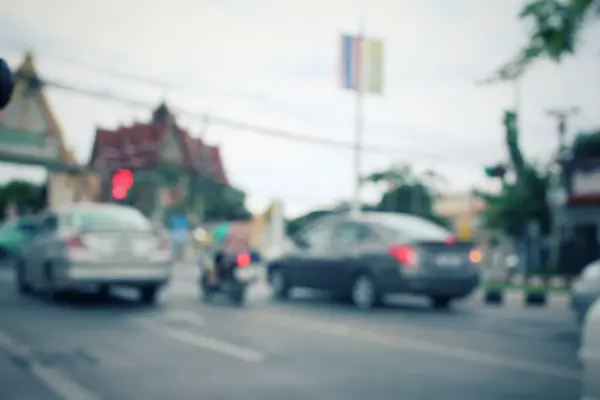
(359, 111)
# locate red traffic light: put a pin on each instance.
(124, 178)
(119, 192)
(121, 183)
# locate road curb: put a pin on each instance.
(522, 298)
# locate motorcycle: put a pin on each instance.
(235, 273)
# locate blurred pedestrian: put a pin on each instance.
(7, 83)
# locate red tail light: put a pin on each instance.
(406, 255)
(243, 260)
(450, 241)
(74, 241)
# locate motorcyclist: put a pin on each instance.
(228, 239)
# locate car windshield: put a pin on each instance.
(414, 228)
(109, 219)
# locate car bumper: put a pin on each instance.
(457, 286)
(77, 275)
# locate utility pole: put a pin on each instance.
(562, 116)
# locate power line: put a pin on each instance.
(240, 125)
(165, 85)
(117, 73)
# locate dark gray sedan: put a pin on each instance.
(586, 290)
(367, 256)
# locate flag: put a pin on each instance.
(362, 56)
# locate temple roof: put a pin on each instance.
(26, 76)
(138, 146)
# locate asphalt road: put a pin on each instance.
(87, 348)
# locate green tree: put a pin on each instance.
(510, 210)
(521, 201)
(28, 197)
(556, 32)
(408, 191)
(224, 203)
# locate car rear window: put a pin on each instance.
(109, 219)
(415, 228)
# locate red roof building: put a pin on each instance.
(143, 146)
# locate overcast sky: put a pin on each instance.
(275, 63)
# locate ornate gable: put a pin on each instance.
(29, 132)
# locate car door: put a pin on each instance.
(37, 250)
(354, 245)
(310, 255)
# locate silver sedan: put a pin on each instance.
(95, 246)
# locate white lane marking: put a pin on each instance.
(422, 346)
(209, 343)
(60, 384)
(309, 326)
(187, 316)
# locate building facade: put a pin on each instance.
(31, 135)
(463, 210)
(174, 172)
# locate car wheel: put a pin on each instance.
(206, 291)
(364, 292)
(238, 296)
(49, 283)
(441, 302)
(22, 286)
(279, 283)
(149, 295)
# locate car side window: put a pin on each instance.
(318, 236)
(48, 225)
(353, 233)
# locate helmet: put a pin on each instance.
(202, 236)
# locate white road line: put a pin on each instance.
(209, 343)
(308, 325)
(60, 384)
(187, 316)
(426, 347)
